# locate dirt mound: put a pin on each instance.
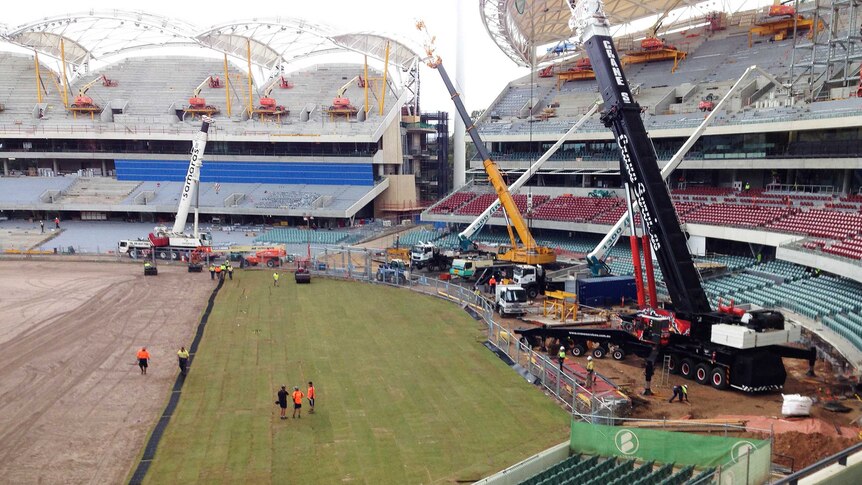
(807, 448)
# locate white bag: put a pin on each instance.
(796, 405)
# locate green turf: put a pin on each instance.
(407, 393)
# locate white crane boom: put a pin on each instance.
(343, 89)
(198, 89)
(596, 257)
(193, 176)
(465, 237)
(83, 90)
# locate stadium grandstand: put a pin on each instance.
(97, 110)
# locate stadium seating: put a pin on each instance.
(740, 215)
(477, 205)
(302, 236)
(593, 470)
(452, 202)
(575, 209)
(821, 223)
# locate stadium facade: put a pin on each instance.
(97, 111)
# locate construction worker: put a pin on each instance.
(183, 357)
(311, 396)
(218, 271)
(275, 278)
(57, 222)
(492, 283)
(147, 264)
(229, 270)
(223, 270)
(297, 402)
(561, 356)
(143, 360)
(42, 226)
(649, 370)
(591, 372)
(212, 271)
(282, 401)
(681, 392)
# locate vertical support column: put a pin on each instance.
(56, 167)
(226, 85)
(460, 162)
(383, 83)
(65, 82)
(365, 86)
(250, 101)
(845, 182)
(5, 167)
(38, 77)
(104, 169)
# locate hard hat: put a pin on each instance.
(562, 347)
(590, 358)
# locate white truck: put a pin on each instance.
(510, 300)
(428, 255)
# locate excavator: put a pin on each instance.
(342, 104)
(198, 105)
(528, 251)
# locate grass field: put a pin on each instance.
(407, 393)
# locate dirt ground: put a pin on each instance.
(73, 405)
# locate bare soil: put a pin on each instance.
(73, 405)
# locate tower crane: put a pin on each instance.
(528, 251)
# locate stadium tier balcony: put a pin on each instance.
(477, 205)
(575, 209)
(739, 215)
(521, 203)
(451, 203)
(820, 223)
(848, 248)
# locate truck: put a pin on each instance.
(537, 279)
(510, 300)
(719, 348)
(271, 258)
(427, 255)
(175, 243)
(579, 341)
(469, 269)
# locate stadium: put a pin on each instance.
(694, 228)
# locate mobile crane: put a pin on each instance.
(718, 348)
(173, 243)
(198, 105)
(528, 252)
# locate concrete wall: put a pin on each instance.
(825, 262)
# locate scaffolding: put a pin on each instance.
(835, 51)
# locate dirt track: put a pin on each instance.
(73, 405)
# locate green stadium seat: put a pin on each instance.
(702, 478)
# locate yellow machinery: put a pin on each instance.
(198, 105)
(779, 29)
(84, 103)
(528, 252)
(560, 305)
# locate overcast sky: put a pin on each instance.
(487, 68)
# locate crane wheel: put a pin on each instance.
(618, 354)
(600, 352)
(718, 378)
(686, 368)
(673, 365)
(578, 350)
(702, 373)
(532, 293)
(270, 263)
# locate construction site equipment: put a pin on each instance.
(547, 72)
(560, 305)
(780, 22)
(580, 71)
(150, 269)
(596, 257)
(392, 272)
(527, 251)
(707, 103)
(284, 83)
(271, 258)
(197, 104)
(83, 103)
(197, 258)
(427, 255)
(302, 276)
(714, 348)
(109, 83)
(469, 269)
(268, 106)
(341, 104)
(510, 300)
(175, 243)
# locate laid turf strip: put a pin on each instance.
(406, 391)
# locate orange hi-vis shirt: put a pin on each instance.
(143, 354)
(311, 392)
(297, 397)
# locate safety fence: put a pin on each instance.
(595, 404)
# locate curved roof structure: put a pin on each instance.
(103, 33)
(516, 25)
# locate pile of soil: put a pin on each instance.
(807, 448)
